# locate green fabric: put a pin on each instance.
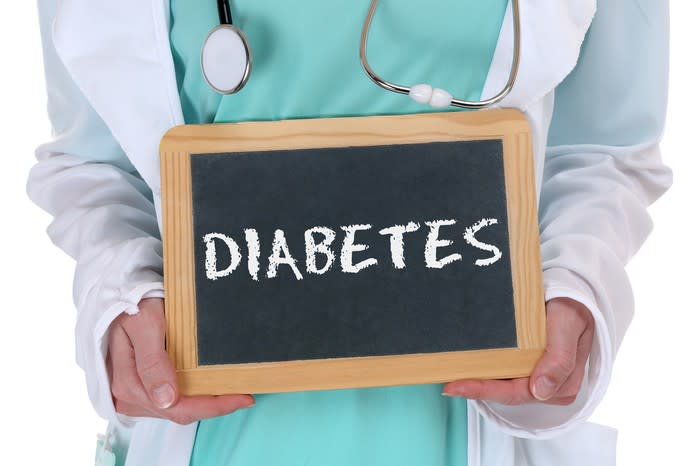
(402, 426)
(306, 64)
(104, 456)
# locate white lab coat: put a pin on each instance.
(112, 91)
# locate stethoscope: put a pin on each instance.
(226, 62)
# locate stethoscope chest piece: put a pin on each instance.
(226, 59)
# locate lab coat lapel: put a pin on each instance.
(119, 56)
(552, 32)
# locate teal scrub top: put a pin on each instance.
(306, 65)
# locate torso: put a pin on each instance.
(306, 65)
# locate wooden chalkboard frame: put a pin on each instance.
(182, 142)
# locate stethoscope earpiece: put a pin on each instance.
(226, 58)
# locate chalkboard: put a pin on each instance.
(328, 253)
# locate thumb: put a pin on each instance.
(147, 334)
(158, 377)
(564, 329)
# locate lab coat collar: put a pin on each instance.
(118, 53)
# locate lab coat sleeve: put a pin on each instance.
(103, 217)
(602, 170)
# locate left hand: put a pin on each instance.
(558, 374)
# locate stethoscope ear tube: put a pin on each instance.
(424, 93)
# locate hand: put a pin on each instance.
(558, 374)
(143, 378)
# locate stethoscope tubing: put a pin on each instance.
(224, 8)
(423, 92)
(389, 86)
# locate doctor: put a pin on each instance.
(592, 83)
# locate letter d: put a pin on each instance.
(210, 264)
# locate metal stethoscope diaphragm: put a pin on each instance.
(226, 57)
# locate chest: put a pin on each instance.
(306, 56)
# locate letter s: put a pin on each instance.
(469, 233)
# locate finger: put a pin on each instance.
(193, 408)
(508, 392)
(565, 326)
(134, 410)
(569, 390)
(146, 330)
(189, 409)
(125, 382)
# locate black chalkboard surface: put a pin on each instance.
(342, 249)
(381, 310)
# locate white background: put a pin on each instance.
(653, 400)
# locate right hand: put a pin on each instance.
(143, 378)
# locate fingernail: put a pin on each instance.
(164, 396)
(544, 388)
(452, 390)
